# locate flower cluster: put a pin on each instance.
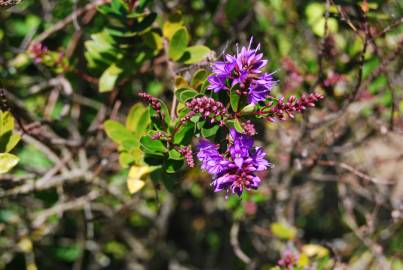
(288, 261)
(249, 128)
(281, 109)
(38, 50)
(208, 108)
(245, 70)
(154, 102)
(233, 170)
(187, 153)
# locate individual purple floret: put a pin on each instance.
(244, 69)
(235, 169)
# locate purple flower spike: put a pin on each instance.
(233, 171)
(244, 69)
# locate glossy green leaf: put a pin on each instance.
(117, 132)
(109, 77)
(234, 99)
(195, 54)
(137, 119)
(209, 132)
(155, 147)
(184, 134)
(250, 108)
(238, 126)
(6, 122)
(174, 154)
(184, 94)
(178, 43)
(7, 162)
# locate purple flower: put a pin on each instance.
(212, 161)
(235, 169)
(260, 88)
(244, 69)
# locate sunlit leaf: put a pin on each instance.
(117, 132)
(7, 162)
(178, 43)
(283, 231)
(195, 54)
(109, 78)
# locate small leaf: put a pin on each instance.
(172, 25)
(195, 54)
(184, 134)
(238, 126)
(248, 109)
(155, 147)
(108, 78)
(209, 132)
(136, 177)
(178, 44)
(198, 78)
(12, 142)
(137, 119)
(117, 132)
(7, 162)
(172, 165)
(283, 231)
(6, 122)
(185, 94)
(180, 82)
(234, 99)
(174, 154)
(125, 159)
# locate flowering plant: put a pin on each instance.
(221, 111)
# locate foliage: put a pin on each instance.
(111, 99)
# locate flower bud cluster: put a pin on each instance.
(38, 50)
(187, 153)
(249, 128)
(293, 105)
(154, 102)
(209, 108)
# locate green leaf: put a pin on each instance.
(172, 165)
(198, 78)
(117, 132)
(68, 253)
(283, 231)
(7, 162)
(195, 54)
(248, 109)
(184, 134)
(172, 25)
(155, 147)
(6, 122)
(137, 119)
(174, 154)
(109, 78)
(234, 99)
(238, 126)
(185, 94)
(178, 44)
(8, 141)
(125, 159)
(209, 132)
